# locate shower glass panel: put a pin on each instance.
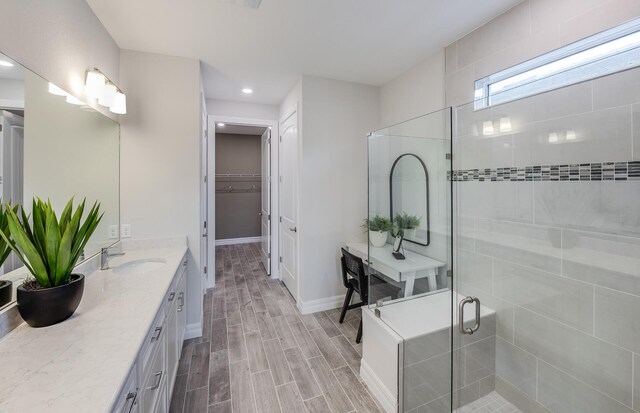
(547, 237)
(409, 258)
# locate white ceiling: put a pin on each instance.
(366, 41)
(15, 72)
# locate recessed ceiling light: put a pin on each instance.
(247, 91)
(5, 63)
(220, 124)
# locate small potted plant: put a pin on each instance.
(50, 248)
(378, 228)
(406, 225)
(6, 286)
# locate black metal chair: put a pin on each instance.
(356, 279)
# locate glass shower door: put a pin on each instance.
(410, 291)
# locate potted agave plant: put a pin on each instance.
(378, 228)
(6, 286)
(50, 248)
(406, 225)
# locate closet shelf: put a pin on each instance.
(231, 189)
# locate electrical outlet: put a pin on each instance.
(113, 231)
(126, 230)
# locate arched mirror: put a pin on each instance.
(409, 196)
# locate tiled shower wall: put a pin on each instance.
(557, 258)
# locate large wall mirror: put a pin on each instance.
(409, 197)
(55, 147)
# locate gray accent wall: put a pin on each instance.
(557, 259)
(237, 212)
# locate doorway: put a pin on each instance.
(242, 195)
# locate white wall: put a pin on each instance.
(58, 40)
(216, 107)
(418, 91)
(11, 91)
(336, 118)
(160, 164)
(87, 141)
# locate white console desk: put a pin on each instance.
(407, 270)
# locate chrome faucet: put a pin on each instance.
(104, 258)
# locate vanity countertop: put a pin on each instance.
(81, 364)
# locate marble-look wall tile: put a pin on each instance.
(562, 393)
(616, 318)
(617, 90)
(529, 245)
(610, 261)
(545, 13)
(608, 14)
(559, 298)
(480, 360)
(516, 366)
(499, 33)
(598, 363)
(604, 206)
(509, 201)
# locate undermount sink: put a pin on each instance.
(141, 266)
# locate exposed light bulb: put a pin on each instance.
(571, 135)
(553, 137)
(55, 90)
(94, 84)
(487, 128)
(74, 100)
(119, 105)
(505, 124)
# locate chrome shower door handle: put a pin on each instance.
(463, 302)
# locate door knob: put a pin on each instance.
(294, 229)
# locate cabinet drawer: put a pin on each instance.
(154, 339)
(154, 381)
(128, 401)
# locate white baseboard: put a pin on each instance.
(378, 389)
(193, 330)
(232, 241)
(322, 304)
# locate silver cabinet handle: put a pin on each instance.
(130, 402)
(158, 375)
(181, 298)
(172, 296)
(463, 302)
(156, 335)
(260, 213)
(294, 229)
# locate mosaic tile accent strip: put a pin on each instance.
(597, 171)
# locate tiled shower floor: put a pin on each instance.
(491, 403)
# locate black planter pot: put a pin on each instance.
(6, 290)
(48, 306)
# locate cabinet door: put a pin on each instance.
(154, 383)
(172, 346)
(182, 310)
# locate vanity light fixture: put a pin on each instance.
(5, 63)
(553, 137)
(98, 86)
(571, 135)
(247, 91)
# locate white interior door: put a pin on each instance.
(289, 203)
(265, 209)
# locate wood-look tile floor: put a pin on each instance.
(259, 354)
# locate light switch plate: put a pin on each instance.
(125, 230)
(113, 231)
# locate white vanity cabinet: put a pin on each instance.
(150, 384)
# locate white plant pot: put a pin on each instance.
(378, 238)
(409, 233)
